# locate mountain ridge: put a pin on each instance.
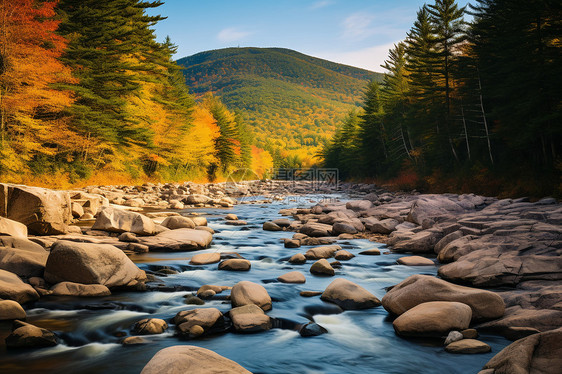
(292, 100)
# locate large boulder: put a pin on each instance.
(322, 267)
(43, 211)
(246, 292)
(13, 288)
(433, 319)
(182, 359)
(25, 335)
(418, 289)
(91, 264)
(178, 240)
(117, 220)
(349, 295)
(27, 260)
(10, 309)
(538, 353)
(12, 228)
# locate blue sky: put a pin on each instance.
(353, 32)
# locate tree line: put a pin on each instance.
(87, 93)
(464, 104)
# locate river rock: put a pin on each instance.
(343, 228)
(454, 336)
(384, 227)
(194, 360)
(197, 199)
(371, 252)
(315, 229)
(297, 259)
(322, 252)
(25, 335)
(433, 207)
(246, 292)
(235, 264)
(10, 309)
(199, 221)
(205, 258)
(468, 346)
(359, 205)
(77, 289)
(538, 353)
(206, 318)
(43, 211)
(418, 289)
(134, 340)
(322, 267)
(231, 217)
(433, 319)
(312, 329)
(13, 288)
(249, 319)
(178, 240)
(446, 240)
(343, 255)
(178, 222)
(270, 226)
(292, 277)
(77, 210)
(421, 242)
(26, 259)
(12, 228)
(91, 264)
(292, 243)
(415, 261)
(117, 220)
(349, 295)
(282, 222)
(150, 326)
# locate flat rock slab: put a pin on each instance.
(182, 359)
(468, 346)
(178, 240)
(433, 319)
(292, 277)
(349, 295)
(371, 252)
(415, 261)
(538, 353)
(205, 258)
(80, 290)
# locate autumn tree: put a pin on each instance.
(30, 105)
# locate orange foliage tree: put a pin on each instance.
(30, 107)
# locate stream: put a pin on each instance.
(357, 341)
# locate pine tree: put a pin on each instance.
(373, 134)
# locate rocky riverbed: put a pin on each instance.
(451, 268)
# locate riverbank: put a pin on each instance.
(520, 236)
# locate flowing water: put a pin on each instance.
(356, 342)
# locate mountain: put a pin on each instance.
(293, 101)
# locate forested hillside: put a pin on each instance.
(88, 94)
(292, 101)
(464, 106)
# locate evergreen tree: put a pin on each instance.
(373, 135)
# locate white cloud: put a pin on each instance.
(321, 4)
(232, 34)
(357, 26)
(369, 58)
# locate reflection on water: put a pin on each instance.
(357, 341)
